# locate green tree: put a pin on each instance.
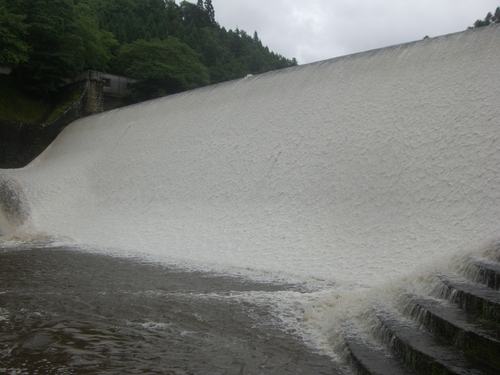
(95, 46)
(489, 19)
(64, 39)
(194, 14)
(210, 10)
(51, 40)
(162, 67)
(13, 30)
(227, 54)
(53, 44)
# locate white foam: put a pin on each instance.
(350, 172)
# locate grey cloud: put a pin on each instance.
(315, 30)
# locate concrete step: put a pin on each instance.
(456, 331)
(476, 299)
(367, 358)
(423, 353)
(486, 272)
(456, 327)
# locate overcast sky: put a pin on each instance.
(314, 30)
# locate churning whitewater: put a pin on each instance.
(347, 173)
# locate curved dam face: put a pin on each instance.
(350, 171)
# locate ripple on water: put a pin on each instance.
(69, 312)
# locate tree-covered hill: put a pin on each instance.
(169, 47)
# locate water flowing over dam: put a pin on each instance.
(349, 173)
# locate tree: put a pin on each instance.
(489, 19)
(227, 54)
(162, 67)
(53, 46)
(96, 45)
(194, 14)
(13, 30)
(48, 41)
(63, 39)
(210, 10)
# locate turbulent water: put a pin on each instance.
(347, 177)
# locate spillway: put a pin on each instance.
(350, 172)
(346, 170)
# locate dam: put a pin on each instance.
(348, 177)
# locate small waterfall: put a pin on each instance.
(14, 207)
(450, 326)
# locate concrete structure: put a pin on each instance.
(101, 88)
(114, 85)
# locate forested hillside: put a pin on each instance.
(169, 47)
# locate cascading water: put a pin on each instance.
(345, 175)
(14, 208)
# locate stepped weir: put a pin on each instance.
(350, 176)
(453, 330)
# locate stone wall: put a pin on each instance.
(94, 99)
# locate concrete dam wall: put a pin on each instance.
(301, 172)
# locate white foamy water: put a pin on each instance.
(350, 172)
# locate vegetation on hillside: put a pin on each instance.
(16, 106)
(489, 19)
(169, 47)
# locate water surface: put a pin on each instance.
(64, 311)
